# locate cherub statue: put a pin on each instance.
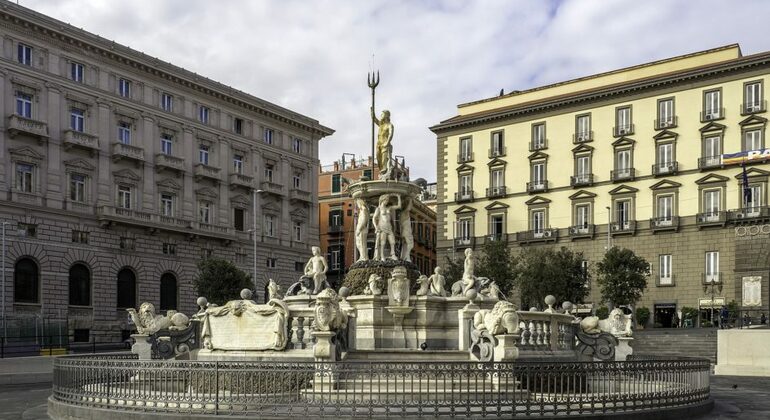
(437, 282)
(316, 268)
(273, 290)
(469, 267)
(375, 285)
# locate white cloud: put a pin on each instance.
(312, 57)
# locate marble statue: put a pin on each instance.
(374, 287)
(618, 324)
(490, 289)
(437, 282)
(384, 147)
(398, 287)
(362, 229)
(147, 323)
(328, 315)
(469, 268)
(407, 238)
(383, 227)
(273, 290)
(501, 319)
(424, 285)
(316, 268)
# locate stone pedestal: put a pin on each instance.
(324, 350)
(142, 346)
(398, 335)
(465, 325)
(505, 349)
(623, 350)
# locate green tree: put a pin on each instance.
(453, 270)
(219, 280)
(497, 263)
(622, 276)
(545, 271)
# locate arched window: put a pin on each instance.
(167, 292)
(126, 288)
(26, 282)
(80, 285)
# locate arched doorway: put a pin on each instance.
(80, 285)
(26, 281)
(168, 292)
(126, 288)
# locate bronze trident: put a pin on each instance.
(373, 79)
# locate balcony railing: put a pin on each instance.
(272, 187)
(664, 123)
(712, 114)
(623, 228)
(583, 137)
(493, 192)
(126, 151)
(711, 218)
(464, 242)
(158, 222)
(538, 145)
(497, 237)
(625, 174)
(582, 231)
(463, 196)
(664, 223)
(711, 278)
(709, 162)
(241, 180)
(80, 140)
(537, 235)
(667, 168)
(665, 281)
(335, 228)
(20, 125)
(164, 161)
(581, 180)
(623, 130)
(753, 107)
(201, 171)
(748, 214)
(497, 152)
(537, 186)
(300, 195)
(465, 157)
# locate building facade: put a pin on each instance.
(338, 216)
(648, 158)
(120, 172)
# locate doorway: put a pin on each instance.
(664, 315)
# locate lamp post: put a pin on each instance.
(2, 268)
(254, 239)
(713, 288)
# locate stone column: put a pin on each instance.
(325, 354)
(142, 346)
(465, 319)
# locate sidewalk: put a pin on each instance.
(26, 370)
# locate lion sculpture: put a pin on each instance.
(501, 319)
(148, 323)
(617, 324)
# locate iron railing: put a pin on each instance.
(378, 389)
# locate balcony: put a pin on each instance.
(465, 242)
(538, 145)
(712, 115)
(667, 168)
(335, 229)
(20, 125)
(658, 224)
(164, 161)
(154, 222)
(497, 152)
(537, 186)
(497, 237)
(464, 196)
(80, 140)
(623, 130)
(300, 195)
(665, 281)
(493, 192)
(754, 107)
(627, 227)
(581, 180)
(749, 214)
(709, 162)
(583, 137)
(582, 231)
(625, 174)
(711, 278)
(202, 171)
(271, 187)
(666, 123)
(713, 218)
(122, 151)
(241, 180)
(465, 157)
(539, 235)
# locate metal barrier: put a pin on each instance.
(375, 389)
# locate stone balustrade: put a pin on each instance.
(272, 187)
(20, 125)
(300, 195)
(543, 332)
(202, 170)
(126, 151)
(164, 161)
(81, 140)
(241, 180)
(155, 221)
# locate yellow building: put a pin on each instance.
(647, 157)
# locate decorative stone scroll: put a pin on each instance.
(245, 325)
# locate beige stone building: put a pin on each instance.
(647, 158)
(119, 172)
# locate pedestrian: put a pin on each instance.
(723, 315)
(763, 319)
(675, 321)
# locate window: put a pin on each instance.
(77, 119)
(80, 285)
(712, 267)
(466, 149)
(206, 253)
(335, 218)
(583, 127)
(269, 226)
(169, 248)
(168, 292)
(664, 209)
(124, 132)
(623, 214)
(25, 177)
(582, 217)
(712, 105)
(665, 270)
(238, 125)
(268, 133)
(752, 96)
(26, 281)
(336, 183)
(81, 335)
(623, 163)
(665, 113)
(25, 54)
(583, 168)
(296, 145)
(665, 156)
(78, 188)
(297, 182)
(126, 243)
(27, 230)
(238, 164)
(203, 154)
(712, 150)
(466, 186)
(23, 105)
(238, 220)
(496, 226)
(167, 205)
(538, 137)
(538, 175)
(79, 236)
(465, 229)
(76, 72)
(166, 144)
(712, 204)
(538, 222)
(498, 146)
(498, 180)
(752, 140)
(124, 88)
(203, 114)
(126, 289)
(623, 121)
(204, 212)
(166, 102)
(335, 255)
(124, 196)
(297, 231)
(752, 200)
(367, 173)
(299, 266)
(271, 262)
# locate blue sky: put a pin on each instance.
(313, 56)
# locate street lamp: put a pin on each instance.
(2, 268)
(714, 288)
(253, 231)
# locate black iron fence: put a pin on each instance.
(374, 389)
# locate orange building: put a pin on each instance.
(338, 215)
